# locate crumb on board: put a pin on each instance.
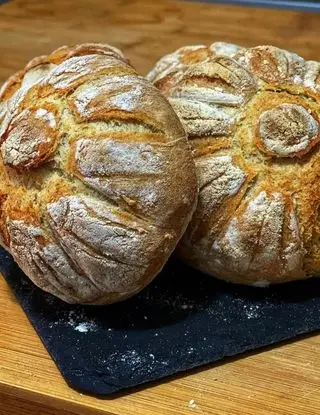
(251, 311)
(192, 404)
(85, 327)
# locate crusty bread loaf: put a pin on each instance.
(252, 116)
(97, 179)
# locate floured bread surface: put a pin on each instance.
(97, 181)
(252, 117)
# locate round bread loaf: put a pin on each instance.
(252, 116)
(97, 181)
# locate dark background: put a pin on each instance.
(287, 4)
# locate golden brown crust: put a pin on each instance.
(252, 116)
(97, 182)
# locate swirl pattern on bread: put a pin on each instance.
(97, 179)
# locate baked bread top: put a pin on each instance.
(252, 117)
(97, 182)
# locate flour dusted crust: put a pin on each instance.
(252, 117)
(97, 182)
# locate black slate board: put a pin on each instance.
(182, 320)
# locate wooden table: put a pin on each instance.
(282, 380)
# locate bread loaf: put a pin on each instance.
(252, 117)
(97, 182)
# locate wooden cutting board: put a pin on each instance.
(280, 380)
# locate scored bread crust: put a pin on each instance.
(97, 180)
(252, 117)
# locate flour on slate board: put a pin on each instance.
(78, 321)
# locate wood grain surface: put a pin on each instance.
(283, 380)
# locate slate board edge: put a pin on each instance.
(110, 389)
(106, 388)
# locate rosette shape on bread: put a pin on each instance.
(252, 118)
